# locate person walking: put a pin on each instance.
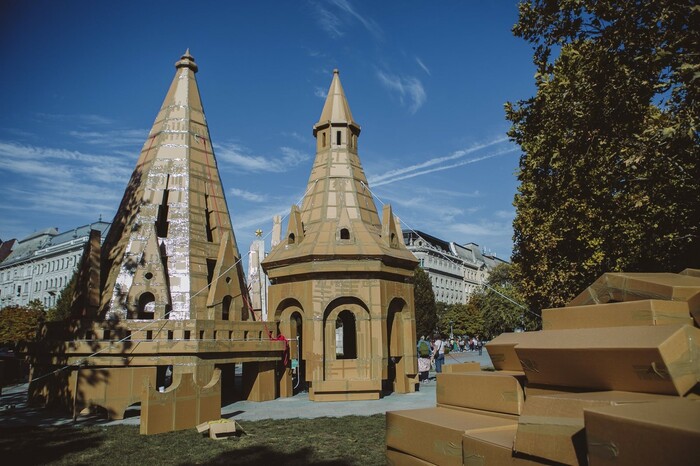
(439, 353)
(423, 350)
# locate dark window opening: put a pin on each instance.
(225, 307)
(146, 306)
(346, 332)
(106, 335)
(149, 334)
(344, 233)
(187, 335)
(291, 238)
(170, 334)
(162, 222)
(207, 219)
(211, 265)
(201, 334)
(324, 139)
(338, 138)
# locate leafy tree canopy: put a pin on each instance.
(610, 172)
(61, 311)
(424, 301)
(19, 324)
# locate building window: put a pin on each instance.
(344, 233)
(338, 138)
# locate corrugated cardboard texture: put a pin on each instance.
(633, 313)
(470, 366)
(398, 458)
(502, 350)
(621, 287)
(552, 426)
(664, 433)
(488, 391)
(435, 434)
(661, 359)
(183, 405)
(491, 447)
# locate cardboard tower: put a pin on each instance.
(341, 280)
(164, 298)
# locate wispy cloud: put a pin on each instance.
(329, 21)
(237, 155)
(409, 89)
(420, 168)
(320, 92)
(422, 65)
(112, 138)
(85, 119)
(333, 22)
(247, 195)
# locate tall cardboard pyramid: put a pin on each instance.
(171, 252)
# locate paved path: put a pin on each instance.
(297, 406)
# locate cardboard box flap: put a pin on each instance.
(667, 432)
(660, 359)
(435, 434)
(634, 286)
(631, 313)
(501, 350)
(552, 426)
(488, 391)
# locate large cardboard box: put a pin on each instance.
(489, 391)
(660, 359)
(635, 286)
(502, 350)
(399, 458)
(491, 447)
(552, 427)
(435, 434)
(632, 313)
(470, 366)
(667, 432)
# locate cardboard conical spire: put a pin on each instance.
(338, 213)
(172, 233)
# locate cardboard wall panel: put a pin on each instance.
(488, 391)
(633, 313)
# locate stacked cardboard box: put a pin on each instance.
(612, 379)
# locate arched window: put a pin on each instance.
(291, 238)
(146, 306)
(346, 335)
(226, 307)
(344, 233)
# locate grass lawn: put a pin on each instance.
(351, 440)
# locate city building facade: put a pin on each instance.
(456, 271)
(41, 265)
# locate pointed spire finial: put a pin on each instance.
(187, 61)
(336, 71)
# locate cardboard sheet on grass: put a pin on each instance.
(633, 313)
(662, 433)
(435, 434)
(489, 391)
(661, 359)
(552, 426)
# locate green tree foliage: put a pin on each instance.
(500, 304)
(19, 324)
(424, 300)
(466, 319)
(61, 311)
(610, 171)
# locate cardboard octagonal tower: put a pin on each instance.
(341, 279)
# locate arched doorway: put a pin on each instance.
(347, 340)
(290, 323)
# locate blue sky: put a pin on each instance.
(82, 82)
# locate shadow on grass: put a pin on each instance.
(266, 455)
(37, 445)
